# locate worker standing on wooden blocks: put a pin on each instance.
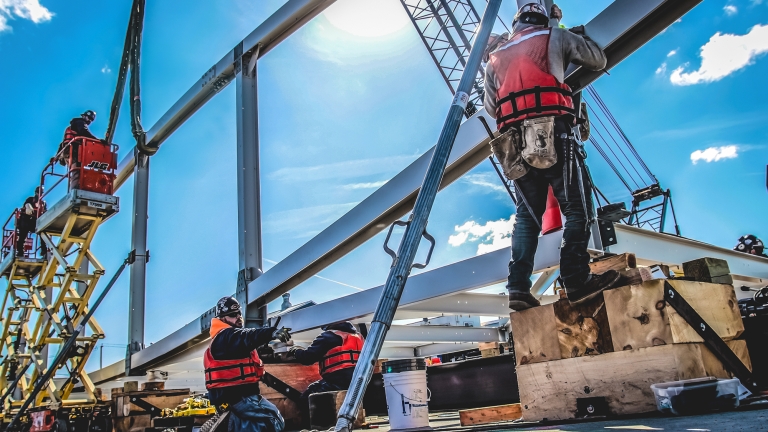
(534, 111)
(336, 351)
(233, 370)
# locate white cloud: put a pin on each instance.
(723, 55)
(671, 53)
(26, 9)
(730, 10)
(371, 185)
(106, 69)
(714, 154)
(493, 235)
(662, 69)
(485, 180)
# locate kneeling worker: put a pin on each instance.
(233, 370)
(336, 351)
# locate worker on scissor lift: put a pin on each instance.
(33, 207)
(233, 370)
(336, 351)
(525, 92)
(78, 127)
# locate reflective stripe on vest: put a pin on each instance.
(526, 88)
(343, 356)
(230, 373)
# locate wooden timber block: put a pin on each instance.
(492, 414)
(617, 262)
(534, 335)
(725, 279)
(116, 391)
(124, 406)
(491, 352)
(551, 390)
(488, 345)
(634, 276)
(582, 329)
(295, 375)
(159, 385)
(704, 269)
(130, 386)
(324, 408)
(639, 317)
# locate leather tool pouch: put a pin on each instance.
(539, 142)
(506, 148)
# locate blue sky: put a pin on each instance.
(342, 112)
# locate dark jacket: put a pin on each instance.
(326, 341)
(79, 127)
(28, 221)
(237, 343)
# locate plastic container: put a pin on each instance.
(407, 397)
(695, 396)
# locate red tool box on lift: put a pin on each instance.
(97, 165)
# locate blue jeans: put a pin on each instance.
(255, 414)
(533, 188)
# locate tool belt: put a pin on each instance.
(506, 148)
(532, 144)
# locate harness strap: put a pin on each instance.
(538, 108)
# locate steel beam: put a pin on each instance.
(441, 348)
(413, 334)
(248, 185)
(138, 275)
(281, 24)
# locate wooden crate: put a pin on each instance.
(552, 390)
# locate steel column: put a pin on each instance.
(138, 275)
(248, 184)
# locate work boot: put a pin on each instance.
(520, 301)
(594, 285)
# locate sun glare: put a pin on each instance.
(367, 18)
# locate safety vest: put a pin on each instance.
(343, 356)
(230, 373)
(526, 88)
(69, 135)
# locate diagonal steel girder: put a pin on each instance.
(620, 29)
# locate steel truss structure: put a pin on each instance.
(620, 29)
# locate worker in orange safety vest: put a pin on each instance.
(233, 370)
(525, 91)
(336, 351)
(78, 127)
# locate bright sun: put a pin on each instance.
(368, 18)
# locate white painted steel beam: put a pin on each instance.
(405, 334)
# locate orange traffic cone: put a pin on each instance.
(552, 219)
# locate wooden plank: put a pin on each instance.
(535, 335)
(295, 375)
(492, 414)
(130, 386)
(704, 269)
(639, 317)
(550, 390)
(582, 329)
(713, 366)
(491, 352)
(487, 345)
(616, 262)
(159, 385)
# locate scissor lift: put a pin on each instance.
(58, 290)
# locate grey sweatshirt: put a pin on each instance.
(564, 48)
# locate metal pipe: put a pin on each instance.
(117, 99)
(417, 224)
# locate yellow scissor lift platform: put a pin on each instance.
(46, 299)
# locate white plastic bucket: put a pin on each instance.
(407, 397)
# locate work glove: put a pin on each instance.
(291, 354)
(283, 334)
(28, 209)
(555, 12)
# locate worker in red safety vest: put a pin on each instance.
(33, 207)
(526, 93)
(336, 351)
(233, 370)
(78, 127)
